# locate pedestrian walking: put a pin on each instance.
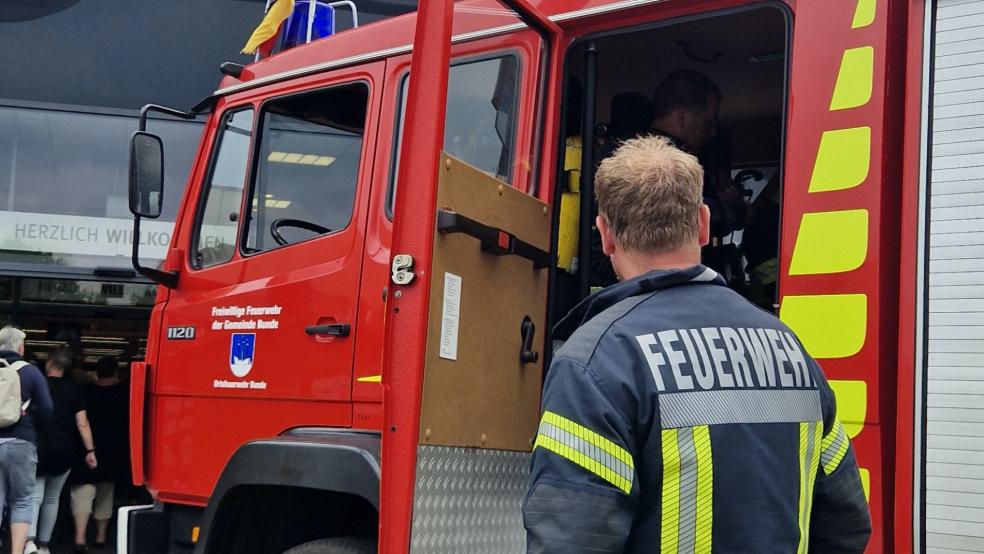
(93, 488)
(679, 417)
(62, 439)
(18, 438)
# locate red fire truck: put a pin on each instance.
(351, 331)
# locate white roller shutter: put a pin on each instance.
(954, 463)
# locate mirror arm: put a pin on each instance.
(167, 278)
(144, 111)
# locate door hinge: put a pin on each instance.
(402, 269)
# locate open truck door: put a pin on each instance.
(465, 327)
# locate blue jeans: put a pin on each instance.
(18, 462)
(47, 493)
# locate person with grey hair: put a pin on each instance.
(18, 442)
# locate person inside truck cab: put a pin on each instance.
(688, 104)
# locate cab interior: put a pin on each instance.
(743, 52)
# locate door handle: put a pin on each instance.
(527, 355)
(334, 330)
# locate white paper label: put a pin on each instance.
(449, 316)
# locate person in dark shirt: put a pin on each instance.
(59, 445)
(688, 105)
(760, 245)
(93, 488)
(18, 442)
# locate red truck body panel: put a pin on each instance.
(187, 422)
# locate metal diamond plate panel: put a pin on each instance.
(469, 501)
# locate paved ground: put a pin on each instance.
(59, 549)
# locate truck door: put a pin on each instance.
(266, 304)
(466, 316)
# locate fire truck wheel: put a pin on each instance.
(336, 545)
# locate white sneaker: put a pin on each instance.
(30, 548)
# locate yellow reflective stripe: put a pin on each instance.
(834, 447)
(828, 325)
(670, 506)
(810, 433)
(853, 86)
(864, 14)
(587, 449)
(587, 434)
(705, 488)
(843, 159)
(814, 467)
(830, 242)
(587, 463)
(803, 444)
(852, 404)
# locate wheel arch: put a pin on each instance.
(298, 485)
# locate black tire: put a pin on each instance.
(336, 545)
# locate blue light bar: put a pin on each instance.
(310, 20)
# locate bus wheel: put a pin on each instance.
(336, 545)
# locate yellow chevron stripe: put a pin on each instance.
(864, 14)
(843, 159)
(829, 325)
(854, 80)
(830, 242)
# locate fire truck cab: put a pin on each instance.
(348, 343)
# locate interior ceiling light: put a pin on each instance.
(272, 203)
(302, 159)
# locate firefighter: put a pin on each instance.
(688, 104)
(679, 417)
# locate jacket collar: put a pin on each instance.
(10, 356)
(649, 282)
(676, 142)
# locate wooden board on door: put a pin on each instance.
(485, 397)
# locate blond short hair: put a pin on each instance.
(649, 193)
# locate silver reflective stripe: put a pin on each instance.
(708, 275)
(720, 407)
(586, 453)
(688, 490)
(834, 448)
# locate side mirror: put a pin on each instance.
(146, 174)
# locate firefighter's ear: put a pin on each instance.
(608, 244)
(703, 225)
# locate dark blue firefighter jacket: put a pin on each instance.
(678, 417)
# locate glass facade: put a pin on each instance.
(63, 187)
(75, 76)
